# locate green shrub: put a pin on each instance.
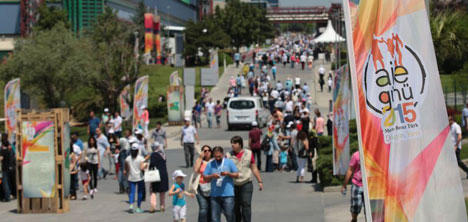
(325, 157)
(221, 56)
(157, 110)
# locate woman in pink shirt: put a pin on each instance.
(319, 123)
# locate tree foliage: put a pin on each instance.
(450, 37)
(51, 64)
(113, 43)
(139, 20)
(238, 24)
(50, 16)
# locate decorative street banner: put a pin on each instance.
(12, 102)
(140, 99)
(39, 159)
(157, 38)
(66, 150)
(175, 103)
(124, 96)
(341, 101)
(148, 32)
(174, 79)
(409, 171)
(214, 62)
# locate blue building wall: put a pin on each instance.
(10, 18)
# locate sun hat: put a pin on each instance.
(178, 173)
(133, 140)
(135, 146)
(254, 123)
(106, 110)
(187, 119)
(138, 132)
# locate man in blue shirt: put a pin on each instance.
(93, 124)
(221, 172)
(237, 59)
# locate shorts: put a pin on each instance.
(282, 165)
(357, 199)
(179, 212)
(84, 182)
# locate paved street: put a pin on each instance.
(281, 200)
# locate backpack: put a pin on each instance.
(266, 144)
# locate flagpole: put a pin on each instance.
(352, 69)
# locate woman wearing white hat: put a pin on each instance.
(134, 166)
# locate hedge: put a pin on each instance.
(325, 157)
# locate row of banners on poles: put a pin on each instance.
(408, 163)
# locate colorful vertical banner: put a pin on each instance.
(409, 171)
(140, 99)
(66, 150)
(175, 103)
(38, 175)
(149, 32)
(341, 102)
(214, 65)
(124, 97)
(12, 102)
(157, 38)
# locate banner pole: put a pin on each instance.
(352, 66)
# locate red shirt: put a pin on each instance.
(255, 136)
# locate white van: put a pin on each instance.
(242, 111)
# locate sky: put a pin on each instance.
(304, 3)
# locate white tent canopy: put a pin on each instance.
(329, 35)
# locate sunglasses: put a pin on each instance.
(206, 151)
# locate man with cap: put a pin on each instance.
(106, 118)
(187, 140)
(141, 141)
(255, 143)
(145, 120)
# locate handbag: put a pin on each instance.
(205, 189)
(152, 176)
(193, 183)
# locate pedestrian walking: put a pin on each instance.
(158, 161)
(145, 120)
(303, 154)
(187, 140)
(218, 111)
(159, 135)
(255, 143)
(93, 124)
(330, 83)
(196, 115)
(456, 133)
(134, 166)
(93, 160)
(221, 173)
(73, 169)
(273, 71)
(465, 118)
(178, 192)
(330, 124)
(319, 123)
(357, 191)
(303, 59)
(243, 186)
(210, 110)
(204, 187)
(103, 146)
(85, 180)
(237, 59)
(7, 157)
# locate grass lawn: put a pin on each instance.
(447, 83)
(158, 83)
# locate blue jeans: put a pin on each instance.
(209, 119)
(204, 204)
(224, 205)
(123, 183)
(131, 195)
(269, 163)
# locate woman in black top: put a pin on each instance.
(158, 161)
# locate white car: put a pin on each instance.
(242, 111)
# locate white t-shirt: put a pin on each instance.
(297, 80)
(77, 150)
(210, 107)
(117, 124)
(321, 70)
(274, 94)
(455, 130)
(188, 134)
(289, 106)
(303, 58)
(330, 82)
(134, 172)
(84, 175)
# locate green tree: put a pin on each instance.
(450, 37)
(50, 16)
(52, 64)
(113, 44)
(204, 35)
(139, 20)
